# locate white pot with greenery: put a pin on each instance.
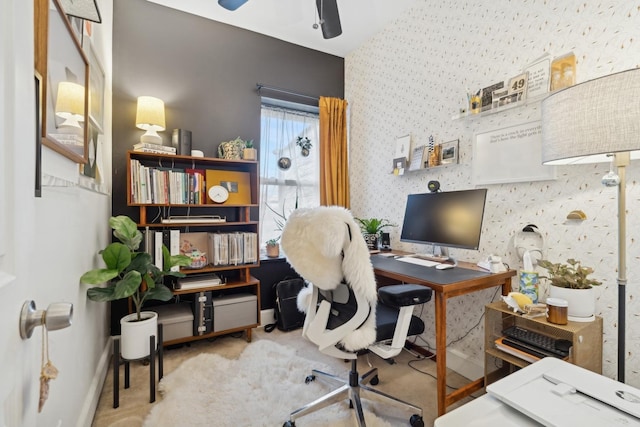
(273, 248)
(371, 229)
(570, 282)
(132, 274)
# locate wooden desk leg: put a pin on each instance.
(441, 351)
(506, 286)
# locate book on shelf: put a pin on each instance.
(163, 185)
(199, 281)
(233, 248)
(163, 149)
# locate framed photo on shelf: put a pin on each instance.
(449, 152)
(399, 165)
(403, 147)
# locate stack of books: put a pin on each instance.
(146, 147)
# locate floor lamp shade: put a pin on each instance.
(598, 121)
(585, 122)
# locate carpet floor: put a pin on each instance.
(410, 379)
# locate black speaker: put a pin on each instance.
(181, 141)
(385, 242)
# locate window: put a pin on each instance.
(289, 178)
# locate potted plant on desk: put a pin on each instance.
(273, 248)
(371, 229)
(570, 282)
(132, 274)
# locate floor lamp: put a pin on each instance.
(592, 122)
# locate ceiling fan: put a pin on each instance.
(327, 11)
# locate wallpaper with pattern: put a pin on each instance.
(412, 78)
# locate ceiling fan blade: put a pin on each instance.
(329, 18)
(231, 4)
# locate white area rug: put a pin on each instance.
(260, 388)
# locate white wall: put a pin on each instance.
(413, 77)
(54, 239)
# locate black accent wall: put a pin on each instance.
(206, 73)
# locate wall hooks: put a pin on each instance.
(57, 316)
(577, 214)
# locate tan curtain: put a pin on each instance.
(334, 155)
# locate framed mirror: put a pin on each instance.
(65, 80)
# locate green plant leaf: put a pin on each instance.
(129, 284)
(101, 275)
(159, 292)
(101, 294)
(116, 256)
(126, 231)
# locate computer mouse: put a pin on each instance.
(443, 266)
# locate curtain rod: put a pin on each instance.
(260, 86)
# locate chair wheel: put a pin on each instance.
(375, 380)
(416, 421)
(289, 424)
(310, 378)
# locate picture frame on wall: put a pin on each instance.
(64, 68)
(449, 152)
(96, 86)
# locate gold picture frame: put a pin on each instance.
(59, 58)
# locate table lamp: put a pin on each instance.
(592, 122)
(150, 117)
(70, 104)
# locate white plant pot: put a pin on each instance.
(134, 335)
(582, 302)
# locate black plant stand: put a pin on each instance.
(119, 360)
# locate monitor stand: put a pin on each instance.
(440, 254)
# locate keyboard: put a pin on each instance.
(525, 340)
(418, 261)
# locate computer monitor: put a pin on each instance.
(445, 219)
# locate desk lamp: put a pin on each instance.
(70, 104)
(592, 122)
(150, 117)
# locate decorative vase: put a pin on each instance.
(134, 334)
(582, 302)
(304, 152)
(372, 241)
(249, 154)
(273, 251)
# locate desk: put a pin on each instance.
(464, 279)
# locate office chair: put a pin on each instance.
(343, 315)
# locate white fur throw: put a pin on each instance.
(325, 245)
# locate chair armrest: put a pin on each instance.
(404, 295)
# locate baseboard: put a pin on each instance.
(267, 317)
(85, 419)
(463, 365)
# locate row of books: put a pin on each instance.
(217, 249)
(158, 185)
(233, 248)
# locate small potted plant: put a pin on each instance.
(371, 229)
(130, 273)
(305, 145)
(249, 152)
(572, 283)
(273, 248)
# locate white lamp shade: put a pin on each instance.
(585, 122)
(150, 117)
(70, 103)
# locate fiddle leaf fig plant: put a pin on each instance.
(130, 273)
(570, 275)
